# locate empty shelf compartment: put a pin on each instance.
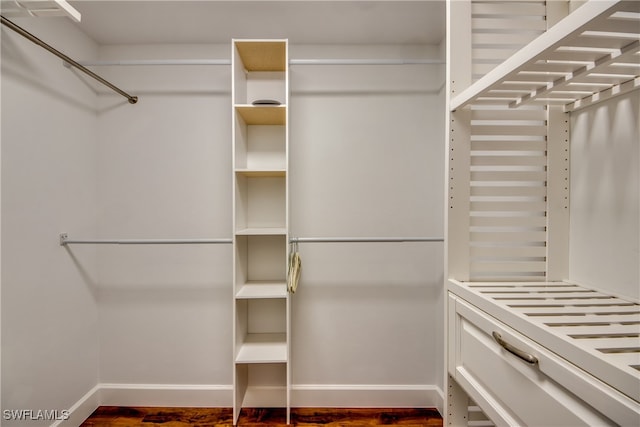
(263, 348)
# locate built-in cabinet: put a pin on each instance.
(261, 306)
(526, 343)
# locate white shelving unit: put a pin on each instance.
(260, 222)
(508, 226)
(591, 56)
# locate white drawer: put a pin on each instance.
(511, 391)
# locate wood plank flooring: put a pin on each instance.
(111, 416)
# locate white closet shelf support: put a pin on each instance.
(64, 240)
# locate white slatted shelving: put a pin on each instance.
(508, 194)
(598, 332)
(591, 56)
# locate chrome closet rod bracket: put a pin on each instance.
(64, 240)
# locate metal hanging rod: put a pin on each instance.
(158, 62)
(24, 33)
(291, 62)
(364, 239)
(64, 240)
(365, 61)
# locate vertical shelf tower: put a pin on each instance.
(261, 306)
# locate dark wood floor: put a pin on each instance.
(178, 417)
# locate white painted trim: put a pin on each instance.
(367, 396)
(174, 395)
(81, 410)
(207, 395)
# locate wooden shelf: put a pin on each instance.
(262, 289)
(263, 348)
(262, 231)
(589, 56)
(260, 55)
(263, 115)
(261, 173)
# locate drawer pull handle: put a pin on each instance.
(529, 358)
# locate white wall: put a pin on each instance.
(366, 160)
(152, 324)
(49, 307)
(605, 187)
(165, 172)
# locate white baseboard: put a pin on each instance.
(302, 395)
(81, 410)
(347, 396)
(366, 396)
(212, 396)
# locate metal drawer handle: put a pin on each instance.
(529, 358)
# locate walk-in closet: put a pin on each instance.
(388, 205)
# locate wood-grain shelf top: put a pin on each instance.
(258, 55)
(263, 115)
(262, 231)
(261, 173)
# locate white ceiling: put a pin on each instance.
(302, 21)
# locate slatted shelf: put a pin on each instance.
(591, 55)
(596, 331)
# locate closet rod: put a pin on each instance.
(291, 62)
(64, 240)
(364, 239)
(24, 33)
(365, 61)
